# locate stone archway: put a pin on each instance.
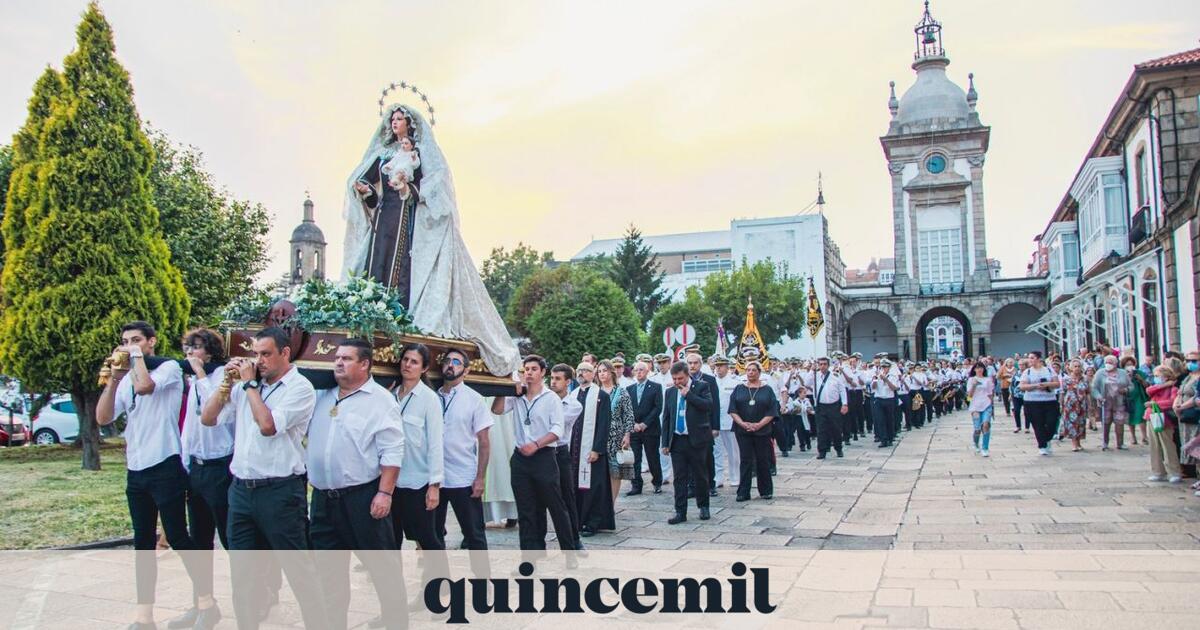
(1008, 336)
(924, 340)
(870, 331)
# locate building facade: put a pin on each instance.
(1121, 246)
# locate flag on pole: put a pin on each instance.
(816, 317)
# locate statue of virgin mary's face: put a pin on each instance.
(399, 124)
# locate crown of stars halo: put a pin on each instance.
(406, 86)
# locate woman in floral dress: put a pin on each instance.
(1075, 396)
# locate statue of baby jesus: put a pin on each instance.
(400, 168)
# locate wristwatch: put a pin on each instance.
(251, 384)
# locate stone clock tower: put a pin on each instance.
(935, 148)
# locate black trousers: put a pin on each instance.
(272, 514)
(411, 521)
(645, 443)
(852, 422)
(535, 484)
(341, 523)
(1043, 415)
(885, 419)
(829, 427)
(208, 512)
(1018, 403)
(755, 451)
(1006, 396)
(906, 411)
(690, 464)
(468, 511)
(154, 492)
(787, 432)
(566, 485)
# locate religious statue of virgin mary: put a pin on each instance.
(402, 229)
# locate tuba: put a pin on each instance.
(118, 361)
(918, 401)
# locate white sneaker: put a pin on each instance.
(1156, 478)
(985, 453)
(1043, 451)
(1175, 479)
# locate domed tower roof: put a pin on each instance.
(934, 102)
(307, 231)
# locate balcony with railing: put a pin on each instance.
(1139, 226)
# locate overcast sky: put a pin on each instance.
(568, 121)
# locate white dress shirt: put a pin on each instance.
(536, 417)
(152, 426)
(256, 456)
(831, 390)
(880, 387)
(352, 436)
(198, 440)
(464, 415)
(424, 454)
(572, 409)
(725, 388)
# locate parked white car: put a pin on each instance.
(56, 422)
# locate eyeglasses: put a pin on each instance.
(452, 361)
(196, 346)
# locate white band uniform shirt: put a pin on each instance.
(291, 400)
(152, 431)
(464, 416)
(831, 390)
(198, 440)
(536, 417)
(571, 409)
(424, 459)
(726, 386)
(880, 387)
(351, 436)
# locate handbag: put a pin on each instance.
(1157, 420)
(625, 468)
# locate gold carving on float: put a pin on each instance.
(322, 348)
(477, 366)
(386, 354)
(247, 346)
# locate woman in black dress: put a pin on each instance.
(754, 407)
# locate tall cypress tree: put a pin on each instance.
(635, 269)
(21, 180)
(88, 254)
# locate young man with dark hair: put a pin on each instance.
(272, 406)
(467, 448)
(537, 426)
(156, 482)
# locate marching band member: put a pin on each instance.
(728, 457)
(883, 388)
(832, 406)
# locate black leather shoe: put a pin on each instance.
(741, 498)
(712, 492)
(767, 496)
(821, 456)
(657, 489)
(704, 515)
(186, 620)
(840, 454)
(677, 519)
(634, 492)
(587, 532)
(207, 618)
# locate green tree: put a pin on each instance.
(20, 163)
(85, 252)
(693, 310)
(539, 285)
(503, 271)
(635, 269)
(779, 299)
(6, 169)
(587, 313)
(219, 244)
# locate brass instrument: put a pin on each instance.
(918, 401)
(119, 361)
(231, 375)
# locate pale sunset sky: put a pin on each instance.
(564, 121)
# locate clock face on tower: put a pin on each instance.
(936, 163)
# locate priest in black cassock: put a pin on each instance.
(589, 457)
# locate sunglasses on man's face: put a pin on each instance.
(452, 361)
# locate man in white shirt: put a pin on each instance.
(725, 451)
(561, 377)
(662, 376)
(884, 386)
(418, 487)
(618, 364)
(467, 449)
(355, 449)
(538, 425)
(854, 422)
(272, 407)
(831, 408)
(156, 482)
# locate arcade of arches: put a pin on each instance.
(992, 323)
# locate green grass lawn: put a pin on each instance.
(47, 501)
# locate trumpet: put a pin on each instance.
(119, 361)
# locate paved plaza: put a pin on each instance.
(930, 492)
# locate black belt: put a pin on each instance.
(223, 461)
(563, 447)
(337, 493)
(832, 404)
(261, 483)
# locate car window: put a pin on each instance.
(65, 406)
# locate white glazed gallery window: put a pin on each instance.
(940, 255)
(711, 264)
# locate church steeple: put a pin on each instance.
(307, 248)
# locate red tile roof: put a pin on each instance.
(1178, 59)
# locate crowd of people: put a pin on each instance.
(229, 448)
